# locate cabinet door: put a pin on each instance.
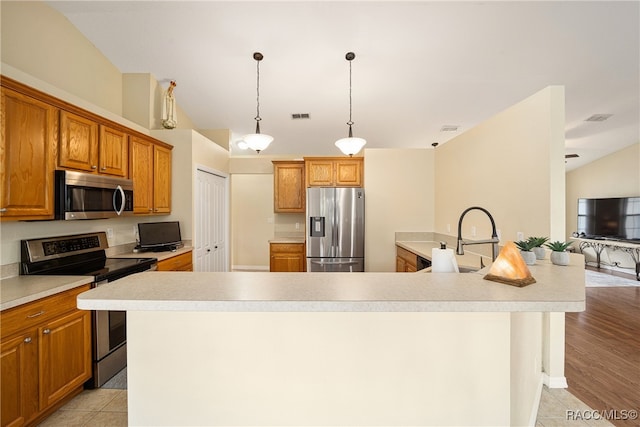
(288, 189)
(19, 385)
(114, 152)
(141, 166)
(161, 180)
(349, 173)
(287, 257)
(78, 143)
(182, 262)
(65, 355)
(27, 157)
(319, 173)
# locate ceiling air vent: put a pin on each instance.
(449, 128)
(297, 116)
(598, 118)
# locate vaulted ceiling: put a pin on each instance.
(420, 66)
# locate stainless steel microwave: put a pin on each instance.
(90, 196)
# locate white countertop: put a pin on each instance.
(558, 289)
(18, 290)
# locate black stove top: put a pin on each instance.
(105, 269)
(78, 255)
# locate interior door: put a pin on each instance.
(211, 230)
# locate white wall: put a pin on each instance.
(399, 196)
(251, 220)
(512, 165)
(616, 175)
(41, 42)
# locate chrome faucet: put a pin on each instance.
(494, 234)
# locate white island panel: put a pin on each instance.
(204, 368)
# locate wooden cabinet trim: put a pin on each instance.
(64, 105)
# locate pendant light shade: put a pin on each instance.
(350, 145)
(257, 141)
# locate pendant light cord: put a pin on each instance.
(258, 91)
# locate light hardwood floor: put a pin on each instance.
(603, 352)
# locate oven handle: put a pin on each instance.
(100, 283)
(119, 211)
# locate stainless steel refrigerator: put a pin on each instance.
(335, 229)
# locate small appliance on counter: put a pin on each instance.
(159, 236)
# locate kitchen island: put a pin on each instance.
(336, 348)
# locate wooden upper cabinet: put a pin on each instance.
(78, 143)
(142, 174)
(150, 169)
(289, 192)
(161, 179)
(28, 138)
(114, 152)
(334, 171)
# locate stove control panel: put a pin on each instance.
(35, 250)
(70, 245)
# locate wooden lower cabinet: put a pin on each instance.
(45, 356)
(182, 262)
(406, 261)
(287, 257)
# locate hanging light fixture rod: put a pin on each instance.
(257, 141)
(350, 145)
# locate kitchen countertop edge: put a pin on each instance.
(20, 290)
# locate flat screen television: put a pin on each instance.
(155, 235)
(616, 218)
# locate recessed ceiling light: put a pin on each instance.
(449, 128)
(598, 118)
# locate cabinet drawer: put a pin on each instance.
(34, 313)
(288, 248)
(182, 262)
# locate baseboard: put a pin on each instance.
(536, 403)
(554, 382)
(249, 268)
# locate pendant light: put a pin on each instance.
(257, 141)
(350, 145)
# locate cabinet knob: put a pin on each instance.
(94, 167)
(103, 169)
(27, 340)
(3, 209)
(46, 331)
(150, 210)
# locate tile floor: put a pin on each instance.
(100, 407)
(108, 407)
(559, 408)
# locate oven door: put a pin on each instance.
(109, 344)
(110, 332)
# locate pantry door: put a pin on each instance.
(211, 230)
